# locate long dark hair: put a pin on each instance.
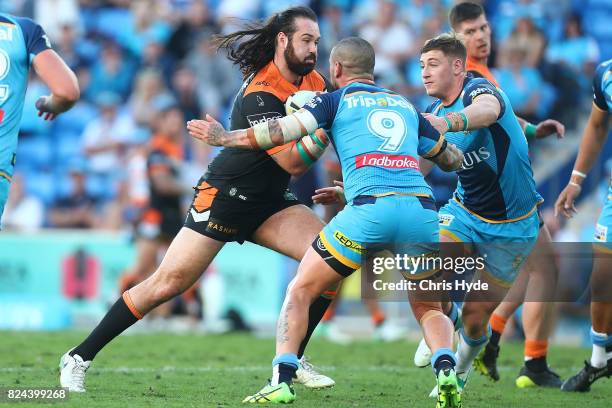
(258, 49)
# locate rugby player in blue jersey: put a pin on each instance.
(593, 140)
(494, 208)
(23, 44)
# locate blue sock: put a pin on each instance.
(442, 359)
(284, 368)
(453, 315)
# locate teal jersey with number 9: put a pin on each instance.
(378, 136)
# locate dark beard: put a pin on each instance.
(295, 65)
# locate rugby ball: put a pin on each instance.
(295, 102)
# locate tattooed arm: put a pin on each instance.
(262, 136)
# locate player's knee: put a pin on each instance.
(421, 310)
(475, 320)
(165, 285)
(302, 292)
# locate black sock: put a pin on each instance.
(443, 362)
(537, 364)
(315, 314)
(494, 339)
(286, 372)
(118, 318)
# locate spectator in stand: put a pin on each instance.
(74, 51)
(193, 20)
(570, 63)
(334, 25)
(577, 51)
(510, 11)
(53, 15)
(22, 212)
(111, 73)
(149, 85)
(77, 209)
(530, 38)
(156, 59)
(217, 79)
(521, 83)
(392, 40)
(185, 88)
(146, 26)
(107, 137)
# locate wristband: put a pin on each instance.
(530, 131)
(465, 121)
(448, 123)
(305, 157)
(579, 174)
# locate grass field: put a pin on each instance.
(151, 370)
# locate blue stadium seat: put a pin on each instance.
(41, 184)
(67, 148)
(36, 151)
(113, 22)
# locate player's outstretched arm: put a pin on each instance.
(262, 136)
(593, 140)
(61, 81)
(482, 112)
(543, 129)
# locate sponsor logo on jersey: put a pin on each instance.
(6, 31)
(320, 245)
(480, 91)
(445, 219)
(601, 233)
(387, 161)
(347, 242)
(470, 159)
(263, 117)
(354, 101)
(260, 102)
(214, 225)
(262, 83)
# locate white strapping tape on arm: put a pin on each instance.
(290, 126)
(262, 135)
(307, 119)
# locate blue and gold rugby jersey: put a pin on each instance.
(602, 95)
(602, 86)
(21, 40)
(496, 180)
(378, 136)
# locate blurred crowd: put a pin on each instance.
(87, 169)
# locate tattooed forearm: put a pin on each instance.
(450, 159)
(282, 329)
(215, 134)
(276, 132)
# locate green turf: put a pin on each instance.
(218, 371)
